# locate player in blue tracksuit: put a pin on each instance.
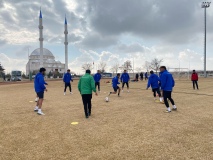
(154, 83)
(146, 76)
(97, 78)
(115, 85)
(67, 78)
(39, 85)
(167, 84)
(125, 80)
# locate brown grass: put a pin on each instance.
(132, 126)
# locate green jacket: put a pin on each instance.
(86, 84)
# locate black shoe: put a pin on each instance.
(87, 116)
(89, 113)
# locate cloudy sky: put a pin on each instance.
(112, 31)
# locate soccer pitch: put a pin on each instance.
(132, 126)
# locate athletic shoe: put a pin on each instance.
(64, 93)
(35, 109)
(174, 109)
(71, 93)
(36, 100)
(167, 111)
(89, 113)
(87, 116)
(128, 91)
(40, 113)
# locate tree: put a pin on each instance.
(87, 66)
(1, 71)
(155, 64)
(115, 68)
(102, 66)
(127, 66)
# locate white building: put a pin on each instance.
(42, 57)
(49, 62)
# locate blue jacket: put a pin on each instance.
(146, 75)
(67, 78)
(39, 83)
(167, 81)
(97, 77)
(125, 77)
(115, 82)
(153, 81)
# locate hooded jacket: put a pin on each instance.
(67, 78)
(167, 81)
(194, 77)
(39, 83)
(115, 82)
(125, 77)
(86, 84)
(97, 77)
(153, 81)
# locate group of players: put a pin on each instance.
(162, 85)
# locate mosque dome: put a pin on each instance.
(46, 52)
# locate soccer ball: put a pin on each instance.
(107, 99)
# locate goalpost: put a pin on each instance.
(180, 73)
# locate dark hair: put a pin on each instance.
(68, 70)
(88, 71)
(193, 70)
(151, 72)
(118, 74)
(164, 67)
(42, 69)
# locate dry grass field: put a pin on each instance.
(131, 127)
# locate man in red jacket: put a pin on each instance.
(194, 79)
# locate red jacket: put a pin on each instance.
(194, 77)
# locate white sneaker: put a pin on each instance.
(36, 109)
(40, 113)
(71, 93)
(64, 93)
(36, 99)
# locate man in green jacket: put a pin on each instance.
(86, 85)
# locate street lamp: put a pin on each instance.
(205, 5)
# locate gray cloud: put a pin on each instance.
(170, 21)
(95, 40)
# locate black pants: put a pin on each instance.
(168, 95)
(86, 98)
(97, 84)
(127, 84)
(156, 90)
(67, 85)
(195, 83)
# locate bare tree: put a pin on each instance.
(127, 66)
(102, 66)
(87, 66)
(155, 64)
(115, 68)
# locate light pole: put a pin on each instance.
(205, 5)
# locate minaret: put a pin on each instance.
(66, 44)
(41, 39)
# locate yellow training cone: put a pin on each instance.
(74, 123)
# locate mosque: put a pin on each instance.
(42, 57)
